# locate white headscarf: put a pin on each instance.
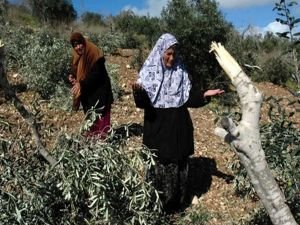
(166, 88)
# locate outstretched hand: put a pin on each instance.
(213, 92)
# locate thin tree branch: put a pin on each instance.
(28, 117)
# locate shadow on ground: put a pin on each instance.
(201, 170)
(125, 131)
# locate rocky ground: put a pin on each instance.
(216, 191)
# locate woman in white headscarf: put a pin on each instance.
(164, 90)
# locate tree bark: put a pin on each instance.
(245, 140)
(28, 117)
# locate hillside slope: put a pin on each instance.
(210, 180)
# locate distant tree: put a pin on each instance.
(109, 21)
(91, 18)
(196, 23)
(53, 12)
(131, 24)
(19, 13)
(270, 42)
(286, 18)
(124, 21)
(3, 10)
(148, 26)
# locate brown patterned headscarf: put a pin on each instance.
(82, 64)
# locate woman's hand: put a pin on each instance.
(213, 92)
(76, 89)
(72, 79)
(136, 87)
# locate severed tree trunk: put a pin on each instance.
(244, 138)
(28, 117)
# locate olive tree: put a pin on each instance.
(3, 9)
(53, 11)
(285, 17)
(195, 24)
(130, 23)
(91, 18)
(244, 138)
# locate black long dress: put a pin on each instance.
(169, 132)
(96, 88)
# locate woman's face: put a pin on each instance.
(79, 48)
(169, 57)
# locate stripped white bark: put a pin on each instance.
(245, 139)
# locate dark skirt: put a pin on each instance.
(169, 134)
(171, 182)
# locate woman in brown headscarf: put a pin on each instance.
(91, 83)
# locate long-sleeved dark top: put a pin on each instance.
(169, 131)
(96, 88)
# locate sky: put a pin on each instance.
(258, 14)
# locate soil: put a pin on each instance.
(218, 196)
